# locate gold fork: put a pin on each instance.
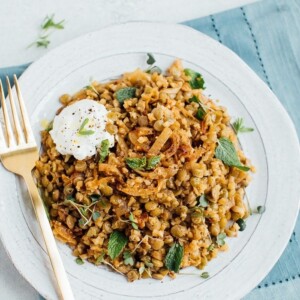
(18, 153)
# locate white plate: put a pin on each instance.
(273, 148)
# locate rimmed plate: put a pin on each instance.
(273, 148)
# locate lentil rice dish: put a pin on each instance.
(166, 195)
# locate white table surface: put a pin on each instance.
(20, 25)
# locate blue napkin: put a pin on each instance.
(266, 36)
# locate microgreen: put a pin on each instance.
(103, 150)
(96, 215)
(242, 224)
(100, 259)
(239, 127)
(49, 23)
(151, 61)
(261, 209)
(133, 221)
(211, 247)
(82, 130)
(79, 261)
(128, 259)
(226, 152)
(204, 275)
(202, 202)
(221, 239)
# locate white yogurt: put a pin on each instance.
(68, 137)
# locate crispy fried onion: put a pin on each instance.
(62, 233)
(160, 141)
(140, 190)
(110, 170)
(160, 172)
(136, 134)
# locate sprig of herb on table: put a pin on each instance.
(226, 152)
(43, 38)
(239, 127)
(152, 68)
(82, 130)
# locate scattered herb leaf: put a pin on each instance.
(133, 222)
(149, 264)
(194, 99)
(242, 224)
(141, 270)
(79, 261)
(261, 209)
(202, 202)
(100, 259)
(103, 150)
(152, 162)
(151, 60)
(81, 223)
(128, 259)
(154, 69)
(136, 163)
(49, 23)
(204, 275)
(221, 239)
(239, 127)
(174, 257)
(200, 114)
(117, 242)
(226, 152)
(125, 94)
(95, 197)
(211, 247)
(96, 215)
(196, 79)
(82, 130)
(41, 42)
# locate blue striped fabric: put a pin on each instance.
(267, 36)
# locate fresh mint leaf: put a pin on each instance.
(226, 152)
(128, 259)
(117, 242)
(174, 257)
(125, 94)
(196, 79)
(221, 239)
(103, 150)
(239, 127)
(151, 60)
(152, 162)
(136, 163)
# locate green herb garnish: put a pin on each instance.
(133, 222)
(41, 42)
(202, 202)
(100, 259)
(211, 247)
(239, 127)
(128, 259)
(261, 209)
(151, 61)
(49, 127)
(79, 261)
(136, 163)
(221, 239)
(95, 197)
(49, 23)
(201, 112)
(117, 242)
(196, 79)
(242, 224)
(226, 152)
(125, 94)
(204, 275)
(96, 215)
(174, 257)
(103, 150)
(152, 162)
(82, 130)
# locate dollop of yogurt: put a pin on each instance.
(80, 128)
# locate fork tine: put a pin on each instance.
(17, 127)
(8, 130)
(25, 121)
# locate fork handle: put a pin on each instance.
(55, 259)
